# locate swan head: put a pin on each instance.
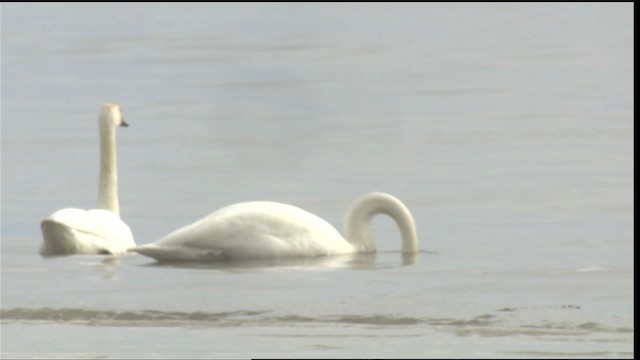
(111, 116)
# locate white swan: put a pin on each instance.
(99, 231)
(261, 229)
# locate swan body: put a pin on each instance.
(99, 231)
(263, 229)
(77, 231)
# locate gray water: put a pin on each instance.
(507, 129)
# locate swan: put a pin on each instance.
(264, 229)
(98, 231)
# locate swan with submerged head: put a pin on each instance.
(99, 231)
(263, 229)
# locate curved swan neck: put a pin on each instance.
(108, 184)
(358, 219)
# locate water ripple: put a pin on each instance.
(483, 325)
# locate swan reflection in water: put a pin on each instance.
(344, 261)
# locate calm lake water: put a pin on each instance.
(507, 129)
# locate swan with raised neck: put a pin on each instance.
(98, 231)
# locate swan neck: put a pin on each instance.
(358, 222)
(108, 184)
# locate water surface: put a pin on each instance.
(507, 129)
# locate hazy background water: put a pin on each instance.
(507, 129)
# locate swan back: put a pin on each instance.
(250, 230)
(357, 222)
